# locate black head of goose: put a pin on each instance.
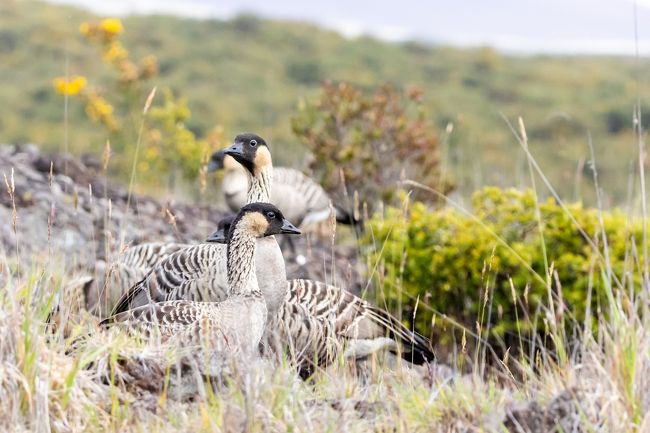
(251, 151)
(220, 235)
(216, 161)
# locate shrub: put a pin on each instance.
(371, 138)
(446, 259)
(170, 147)
(171, 150)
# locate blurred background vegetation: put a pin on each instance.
(247, 73)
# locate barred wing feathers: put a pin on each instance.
(355, 319)
(192, 273)
(236, 324)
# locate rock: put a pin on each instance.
(65, 206)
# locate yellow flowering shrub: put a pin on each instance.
(170, 146)
(105, 30)
(447, 259)
(106, 33)
(71, 86)
(169, 149)
(100, 110)
(115, 52)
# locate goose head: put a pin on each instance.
(220, 235)
(216, 161)
(220, 161)
(260, 220)
(251, 151)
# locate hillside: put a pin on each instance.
(250, 74)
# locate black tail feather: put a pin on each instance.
(346, 217)
(125, 302)
(416, 348)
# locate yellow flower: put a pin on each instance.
(70, 86)
(111, 26)
(99, 110)
(151, 153)
(98, 107)
(85, 29)
(115, 52)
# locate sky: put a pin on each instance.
(512, 26)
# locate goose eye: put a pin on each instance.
(253, 143)
(271, 215)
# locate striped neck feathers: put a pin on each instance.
(240, 262)
(259, 187)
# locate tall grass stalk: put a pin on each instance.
(136, 154)
(538, 215)
(638, 129)
(560, 202)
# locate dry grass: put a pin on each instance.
(113, 383)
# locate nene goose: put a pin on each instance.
(198, 273)
(302, 199)
(234, 325)
(317, 320)
(104, 291)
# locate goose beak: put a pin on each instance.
(288, 228)
(218, 237)
(236, 150)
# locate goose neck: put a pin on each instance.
(259, 189)
(242, 279)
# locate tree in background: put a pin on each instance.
(368, 141)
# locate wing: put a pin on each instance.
(233, 325)
(355, 319)
(299, 196)
(170, 313)
(181, 320)
(308, 340)
(108, 288)
(195, 273)
(147, 255)
(130, 267)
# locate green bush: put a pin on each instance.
(446, 259)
